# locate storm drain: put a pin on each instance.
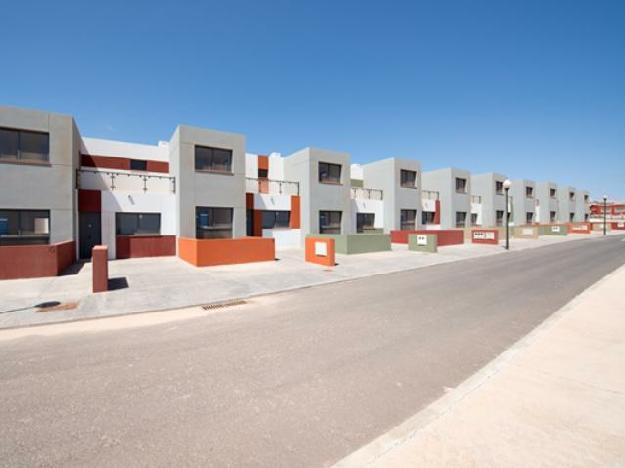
(223, 305)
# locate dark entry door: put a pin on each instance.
(250, 222)
(90, 233)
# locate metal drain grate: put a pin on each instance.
(222, 305)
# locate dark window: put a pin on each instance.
(473, 219)
(529, 192)
(330, 222)
(137, 224)
(408, 219)
(552, 216)
(499, 187)
(461, 219)
(461, 185)
(571, 195)
(276, 219)
(213, 159)
(586, 216)
(213, 223)
(138, 165)
(24, 227)
(408, 178)
(499, 217)
(329, 173)
(364, 222)
(571, 217)
(427, 217)
(263, 173)
(552, 193)
(23, 145)
(529, 217)
(585, 198)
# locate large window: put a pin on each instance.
(461, 185)
(499, 217)
(330, 222)
(499, 187)
(364, 222)
(408, 178)
(408, 220)
(213, 223)
(138, 224)
(24, 227)
(329, 173)
(22, 145)
(427, 217)
(529, 192)
(276, 219)
(461, 219)
(213, 159)
(529, 217)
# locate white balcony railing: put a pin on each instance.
(429, 195)
(93, 179)
(272, 187)
(366, 193)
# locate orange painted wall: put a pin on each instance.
(295, 221)
(210, 252)
(263, 162)
(310, 256)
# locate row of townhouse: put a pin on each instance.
(59, 188)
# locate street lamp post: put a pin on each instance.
(605, 210)
(506, 186)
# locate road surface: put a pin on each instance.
(297, 379)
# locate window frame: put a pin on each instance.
(19, 158)
(553, 216)
(465, 189)
(413, 176)
(499, 190)
(139, 215)
(529, 217)
(425, 217)
(329, 180)
(362, 227)
(405, 224)
(473, 220)
(214, 227)
(275, 213)
(26, 239)
(529, 192)
(500, 221)
(142, 162)
(210, 168)
(462, 224)
(332, 227)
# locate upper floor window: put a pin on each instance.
(408, 219)
(263, 173)
(138, 224)
(329, 173)
(213, 159)
(408, 179)
(529, 192)
(23, 145)
(213, 223)
(499, 187)
(461, 185)
(552, 193)
(24, 227)
(586, 198)
(138, 165)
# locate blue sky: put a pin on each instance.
(533, 89)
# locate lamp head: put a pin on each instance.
(507, 184)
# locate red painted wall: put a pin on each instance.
(443, 237)
(144, 246)
(33, 261)
(295, 221)
(89, 201)
(437, 212)
(109, 162)
(100, 269)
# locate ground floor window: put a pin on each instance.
(529, 217)
(364, 222)
(19, 227)
(213, 223)
(276, 219)
(138, 224)
(461, 219)
(473, 219)
(586, 217)
(427, 217)
(552, 216)
(330, 222)
(571, 217)
(408, 220)
(499, 217)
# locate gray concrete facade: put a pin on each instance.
(303, 167)
(386, 175)
(207, 189)
(522, 203)
(547, 199)
(567, 203)
(582, 206)
(493, 200)
(48, 185)
(452, 201)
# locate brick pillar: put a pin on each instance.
(100, 268)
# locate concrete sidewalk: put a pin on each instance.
(556, 398)
(168, 283)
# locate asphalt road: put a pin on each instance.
(296, 379)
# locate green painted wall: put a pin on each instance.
(549, 230)
(359, 243)
(415, 243)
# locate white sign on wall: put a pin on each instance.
(620, 224)
(555, 228)
(321, 249)
(527, 231)
(483, 235)
(422, 239)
